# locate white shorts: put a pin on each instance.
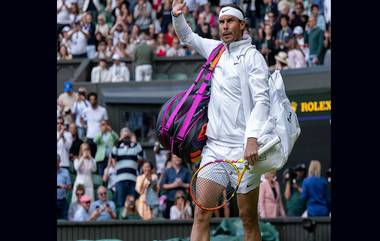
(212, 152)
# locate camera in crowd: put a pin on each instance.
(290, 174)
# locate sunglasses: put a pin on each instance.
(103, 193)
(88, 202)
(181, 197)
(59, 123)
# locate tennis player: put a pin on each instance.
(235, 118)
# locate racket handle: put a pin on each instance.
(269, 145)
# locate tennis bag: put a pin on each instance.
(182, 121)
(282, 122)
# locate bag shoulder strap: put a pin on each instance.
(198, 97)
(212, 56)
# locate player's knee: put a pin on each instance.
(201, 216)
(248, 216)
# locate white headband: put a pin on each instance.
(231, 11)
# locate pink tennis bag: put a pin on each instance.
(182, 121)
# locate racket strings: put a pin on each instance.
(211, 185)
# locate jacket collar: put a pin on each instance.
(238, 45)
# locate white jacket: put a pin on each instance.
(239, 102)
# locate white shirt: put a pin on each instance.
(63, 17)
(118, 73)
(78, 109)
(234, 113)
(172, 52)
(93, 118)
(201, 2)
(103, 29)
(99, 75)
(78, 43)
(63, 148)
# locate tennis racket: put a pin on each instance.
(211, 186)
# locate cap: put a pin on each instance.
(66, 29)
(116, 57)
(68, 86)
(298, 30)
(85, 198)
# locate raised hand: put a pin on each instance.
(177, 7)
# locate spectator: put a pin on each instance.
(66, 101)
(109, 47)
(84, 166)
(89, 28)
(327, 11)
(80, 191)
(64, 142)
(127, 154)
(314, 191)
(83, 212)
(77, 109)
(63, 185)
(63, 15)
(170, 35)
(166, 17)
(296, 57)
(162, 46)
(92, 116)
(110, 175)
(210, 17)
(174, 178)
(77, 142)
(297, 17)
(152, 36)
(117, 8)
(102, 26)
(320, 18)
(295, 205)
(142, 14)
(92, 6)
(118, 72)
(281, 61)
(268, 47)
(102, 51)
(129, 210)
(214, 32)
(98, 39)
(75, 15)
(326, 52)
(283, 7)
(99, 74)
(284, 34)
(78, 41)
(268, 6)
(299, 35)
(146, 187)
(318, 3)
(181, 209)
(117, 31)
(270, 202)
(176, 50)
(191, 5)
(121, 49)
(63, 54)
(315, 40)
(143, 58)
(103, 209)
(105, 141)
(64, 39)
(161, 156)
(189, 18)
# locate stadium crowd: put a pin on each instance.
(289, 33)
(104, 174)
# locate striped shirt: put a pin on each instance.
(126, 161)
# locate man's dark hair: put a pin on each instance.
(92, 94)
(80, 187)
(60, 118)
(284, 16)
(233, 6)
(314, 6)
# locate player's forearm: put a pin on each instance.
(182, 29)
